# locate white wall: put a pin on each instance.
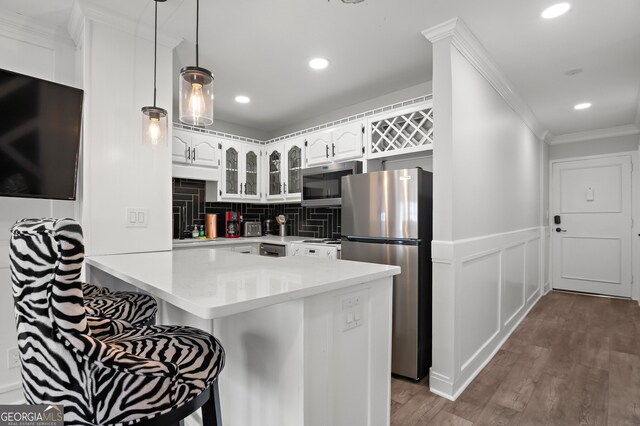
(29, 49)
(118, 171)
(594, 147)
(488, 236)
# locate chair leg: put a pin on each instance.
(211, 409)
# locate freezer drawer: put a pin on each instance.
(411, 335)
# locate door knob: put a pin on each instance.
(560, 230)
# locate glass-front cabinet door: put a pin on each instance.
(231, 172)
(251, 172)
(275, 171)
(295, 156)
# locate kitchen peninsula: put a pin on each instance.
(308, 341)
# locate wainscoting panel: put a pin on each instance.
(496, 280)
(480, 294)
(533, 268)
(513, 283)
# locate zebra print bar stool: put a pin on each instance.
(101, 370)
(135, 308)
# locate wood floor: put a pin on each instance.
(574, 360)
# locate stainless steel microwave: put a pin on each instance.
(322, 185)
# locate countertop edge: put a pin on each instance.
(247, 305)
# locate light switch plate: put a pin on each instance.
(136, 217)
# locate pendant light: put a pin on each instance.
(196, 90)
(154, 119)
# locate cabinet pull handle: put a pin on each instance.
(281, 188)
(327, 147)
(194, 154)
(188, 153)
(285, 188)
(240, 189)
(333, 150)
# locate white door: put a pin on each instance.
(275, 171)
(319, 148)
(347, 142)
(180, 143)
(205, 151)
(591, 200)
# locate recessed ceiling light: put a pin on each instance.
(583, 105)
(318, 63)
(242, 99)
(555, 10)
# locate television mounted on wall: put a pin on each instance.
(40, 125)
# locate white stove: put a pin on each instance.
(322, 248)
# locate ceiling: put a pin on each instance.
(261, 49)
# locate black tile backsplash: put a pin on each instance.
(310, 222)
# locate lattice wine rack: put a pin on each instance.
(412, 131)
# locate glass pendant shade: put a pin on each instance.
(196, 96)
(154, 126)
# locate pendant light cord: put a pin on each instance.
(197, 30)
(155, 53)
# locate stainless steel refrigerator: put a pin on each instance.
(387, 218)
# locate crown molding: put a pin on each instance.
(27, 29)
(83, 10)
(470, 47)
(611, 132)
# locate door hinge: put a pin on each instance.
(218, 162)
(219, 146)
(306, 143)
(363, 129)
(220, 192)
(363, 149)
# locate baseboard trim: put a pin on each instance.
(12, 393)
(456, 390)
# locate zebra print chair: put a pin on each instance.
(102, 371)
(134, 308)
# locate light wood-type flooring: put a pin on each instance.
(574, 360)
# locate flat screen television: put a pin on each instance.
(39, 137)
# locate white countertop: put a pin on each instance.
(273, 239)
(213, 283)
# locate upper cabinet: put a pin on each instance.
(240, 171)
(335, 145)
(195, 155)
(401, 132)
(284, 165)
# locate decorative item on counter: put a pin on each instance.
(201, 232)
(195, 233)
(282, 220)
(210, 225)
(232, 224)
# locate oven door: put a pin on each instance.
(322, 186)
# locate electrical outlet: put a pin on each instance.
(13, 358)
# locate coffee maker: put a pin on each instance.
(232, 224)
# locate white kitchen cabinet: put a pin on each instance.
(335, 145)
(195, 155)
(240, 171)
(198, 149)
(284, 167)
(401, 132)
(247, 249)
